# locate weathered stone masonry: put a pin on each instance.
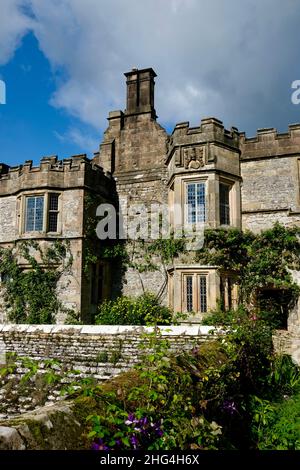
(72, 180)
(80, 347)
(218, 176)
(100, 352)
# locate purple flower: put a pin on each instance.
(98, 444)
(229, 407)
(144, 421)
(134, 441)
(95, 446)
(131, 419)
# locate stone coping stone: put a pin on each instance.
(170, 330)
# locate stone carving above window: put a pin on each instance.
(190, 157)
(194, 158)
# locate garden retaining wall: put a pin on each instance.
(100, 352)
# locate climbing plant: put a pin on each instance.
(146, 256)
(262, 261)
(138, 254)
(29, 276)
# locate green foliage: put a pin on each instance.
(73, 317)
(250, 340)
(156, 256)
(251, 335)
(281, 428)
(219, 317)
(30, 294)
(226, 393)
(285, 375)
(142, 310)
(262, 261)
(161, 409)
(263, 413)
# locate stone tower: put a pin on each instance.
(134, 151)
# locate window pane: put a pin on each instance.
(52, 226)
(39, 209)
(224, 205)
(34, 213)
(30, 214)
(53, 202)
(200, 202)
(191, 203)
(203, 294)
(195, 203)
(53, 212)
(189, 293)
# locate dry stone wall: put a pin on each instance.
(99, 352)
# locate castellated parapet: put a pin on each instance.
(269, 143)
(215, 148)
(210, 130)
(74, 172)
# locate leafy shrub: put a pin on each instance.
(285, 375)
(220, 395)
(220, 317)
(253, 350)
(263, 262)
(161, 408)
(283, 429)
(143, 310)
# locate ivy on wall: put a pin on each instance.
(146, 256)
(262, 261)
(29, 277)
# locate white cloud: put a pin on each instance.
(231, 59)
(85, 142)
(13, 25)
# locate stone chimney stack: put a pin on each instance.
(140, 92)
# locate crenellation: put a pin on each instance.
(269, 142)
(77, 170)
(210, 130)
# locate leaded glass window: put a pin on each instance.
(195, 200)
(224, 205)
(34, 213)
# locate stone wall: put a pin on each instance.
(54, 427)
(288, 342)
(270, 168)
(270, 192)
(94, 351)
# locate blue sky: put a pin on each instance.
(63, 63)
(30, 127)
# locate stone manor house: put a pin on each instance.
(221, 177)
